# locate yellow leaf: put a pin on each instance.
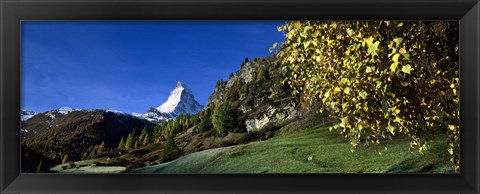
(390, 45)
(337, 89)
(349, 31)
(451, 127)
(369, 40)
(398, 40)
(372, 49)
(400, 24)
(368, 70)
(402, 51)
(344, 120)
(334, 25)
(306, 44)
(347, 90)
(397, 120)
(360, 127)
(362, 94)
(297, 24)
(407, 69)
(395, 58)
(393, 67)
(450, 151)
(391, 130)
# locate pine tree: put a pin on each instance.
(84, 155)
(262, 73)
(187, 123)
(142, 135)
(101, 148)
(156, 132)
(121, 145)
(224, 118)
(93, 153)
(205, 120)
(130, 142)
(65, 159)
(137, 143)
(146, 140)
(39, 167)
(170, 150)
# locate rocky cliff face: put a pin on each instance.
(258, 95)
(243, 76)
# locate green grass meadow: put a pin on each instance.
(307, 146)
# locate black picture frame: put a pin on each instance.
(12, 12)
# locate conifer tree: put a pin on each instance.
(101, 148)
(130, 142)
(223, 118)
(146, 140)
(205, 120)
(65, 159)
(121, 145)
(93, 153)
(142, 134)
(39, 167)
(84, 155)
(137, 143)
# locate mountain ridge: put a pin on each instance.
(55, 134)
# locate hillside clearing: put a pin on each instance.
(307, 146)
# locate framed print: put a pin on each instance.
(239, 96)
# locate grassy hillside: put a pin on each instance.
(307, 146)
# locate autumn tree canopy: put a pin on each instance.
(380, 79)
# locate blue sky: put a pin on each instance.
(131, 66)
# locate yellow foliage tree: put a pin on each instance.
(65, 159)
(378, 78)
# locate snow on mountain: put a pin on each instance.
(65, 110)
(136, 115)
(153, 114)
(180, 101)
(52, 114)
(150, 116)
(26, 114)
(60, 111)
(116, 112)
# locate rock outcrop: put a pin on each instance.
(256, 92)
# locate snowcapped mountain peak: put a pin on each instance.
(180, 101)
(26, 114)
(180, 85)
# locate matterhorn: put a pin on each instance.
(180, 101)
